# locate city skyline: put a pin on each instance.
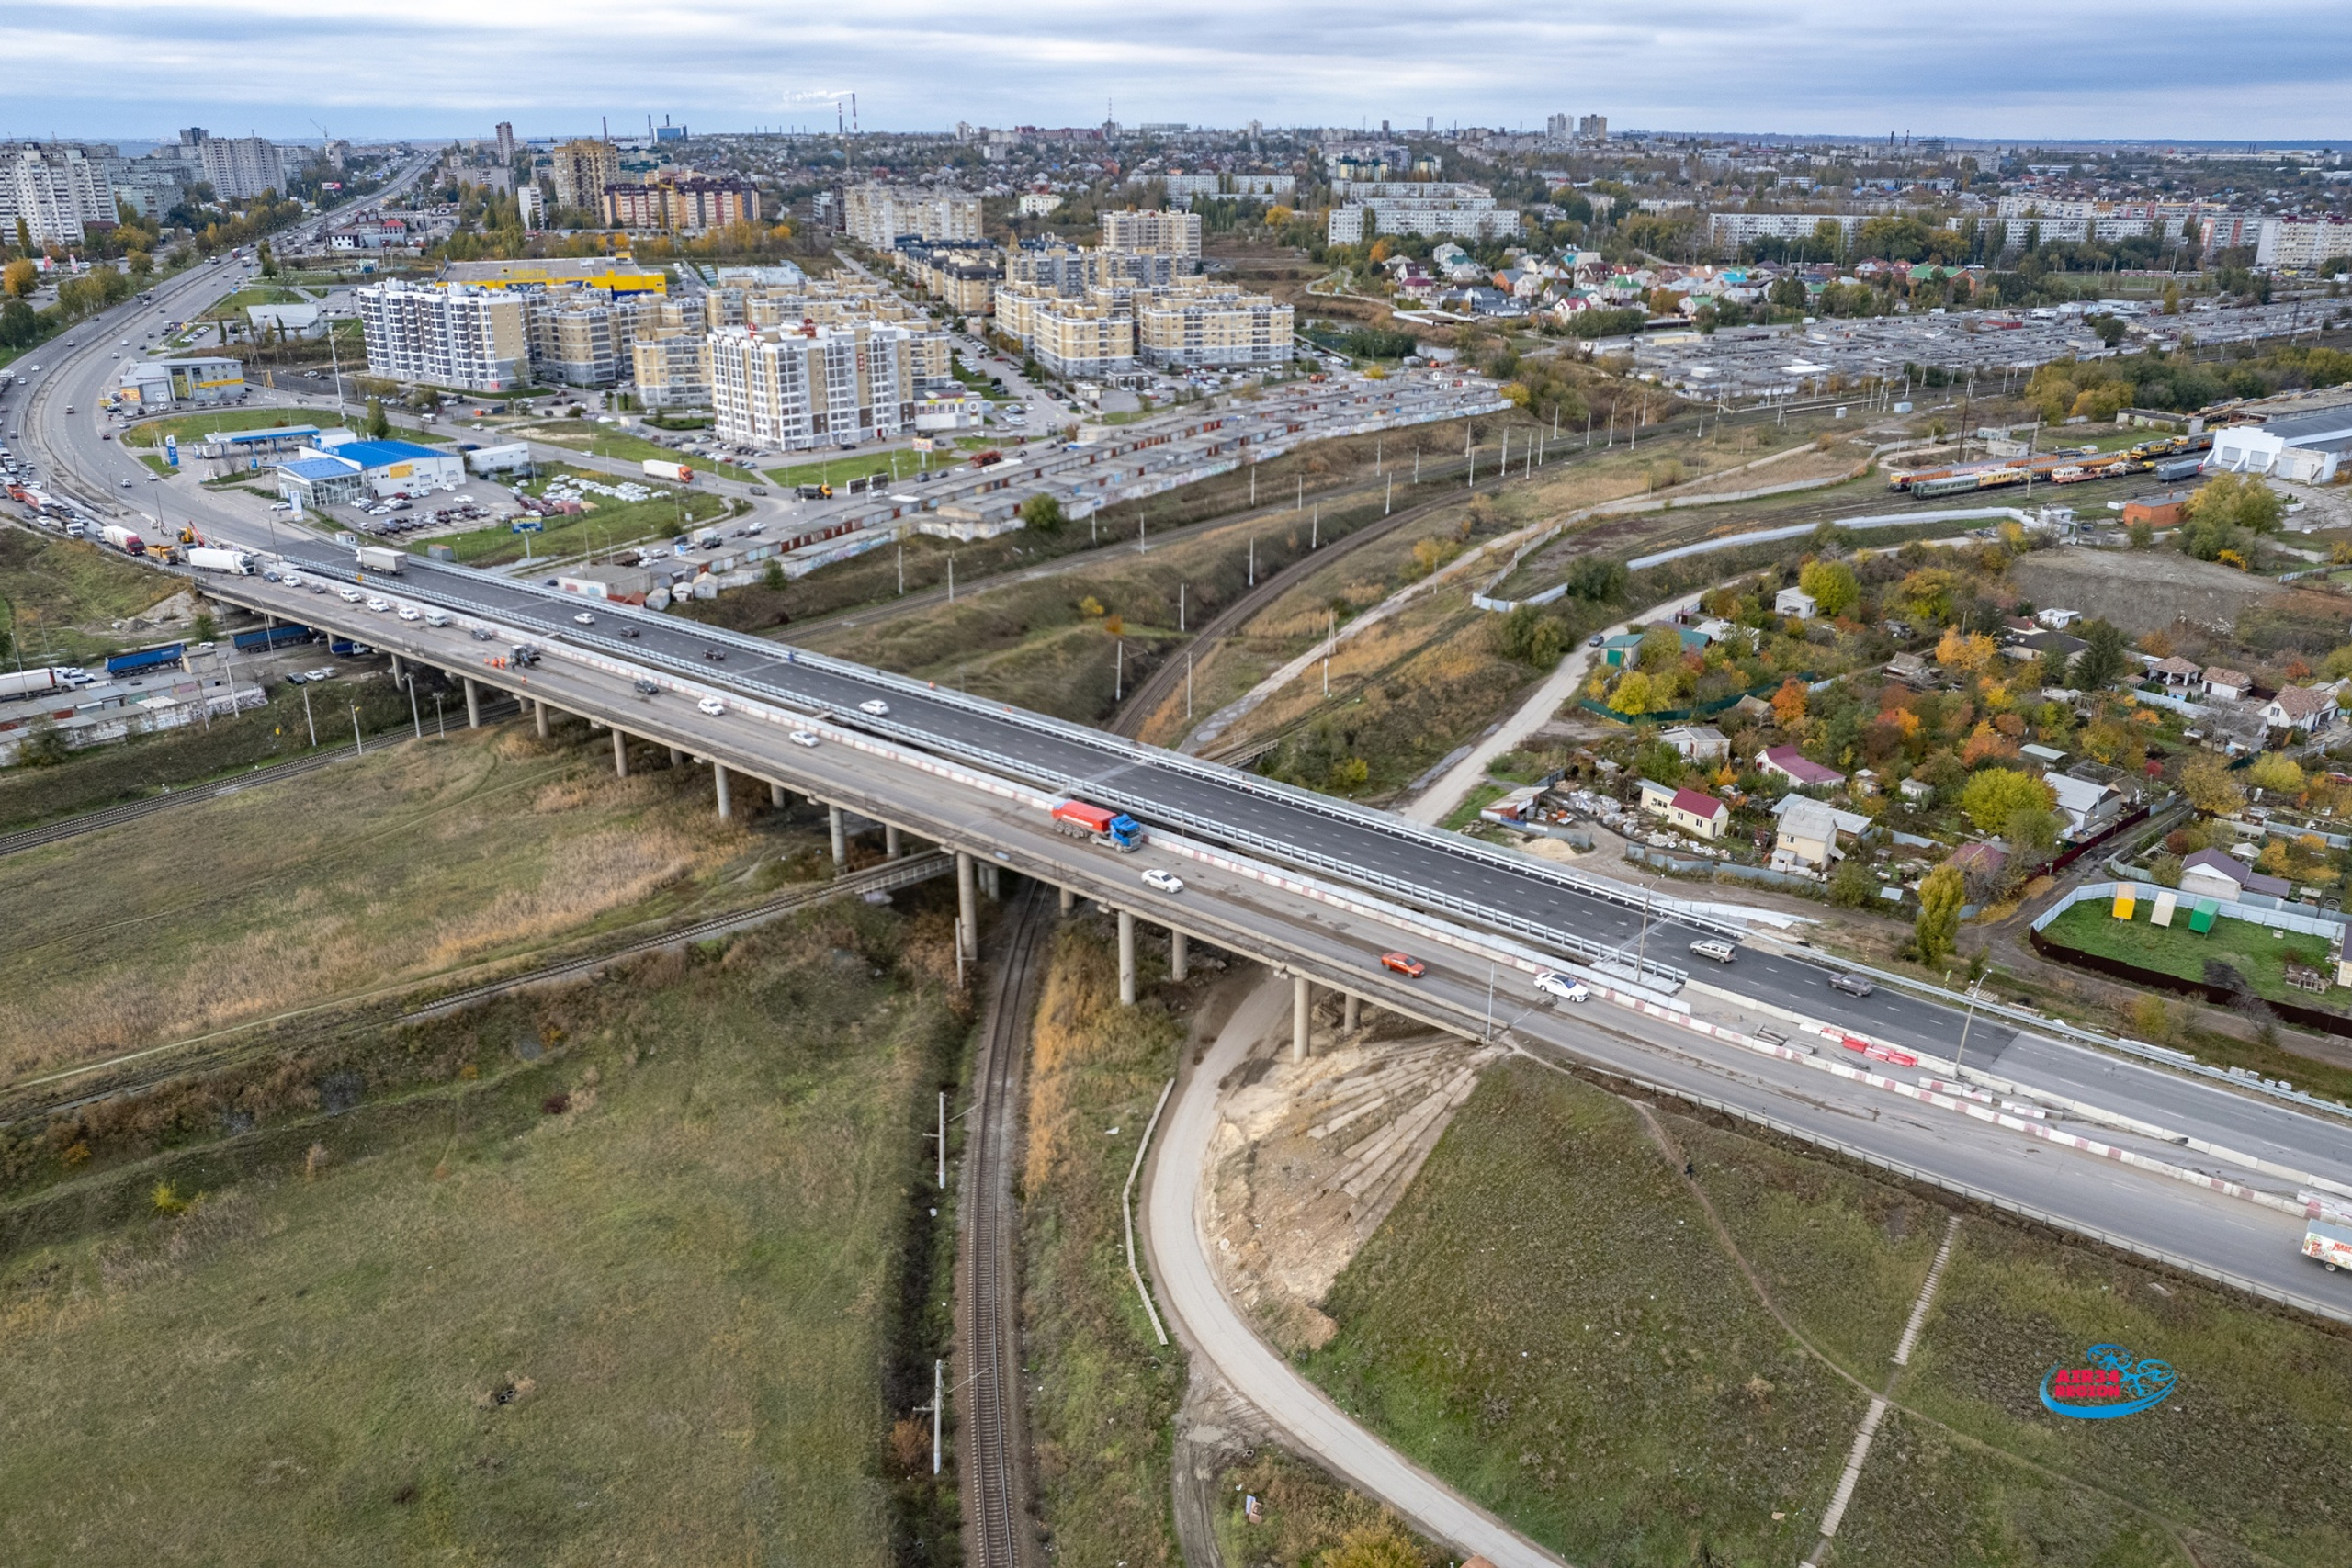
(2012, 71)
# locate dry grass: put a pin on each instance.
(423, 860)
(644, 1329)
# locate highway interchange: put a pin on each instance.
(1319, 888)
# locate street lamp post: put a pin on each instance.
(414, 718)
(1962, 1055)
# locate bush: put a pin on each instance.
(1531, 637)
(1852, 887)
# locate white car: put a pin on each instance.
(585, 618)
(1561, 988)
(350, 595)
(411, 613)
(804, 737)
(437, 617)
(377, 602)
(1164, 881)
(876, 706)
(712, 706)
(292, 579)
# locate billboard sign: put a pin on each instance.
(2109, 1383)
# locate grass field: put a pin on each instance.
(66, 595)
(843, 467)
(1105, 1393)
(1685, 1416)
(609, 441)
(2255, 951)
(411, 861)
(611, 525)
(231, 307)
(191, 427)
(629, 1301)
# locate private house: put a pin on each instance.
(1788, 762)
(2087, 804)
(1807, 838)
(1621, 652)
(1695, 811)
(1698, 743)
(2210, 873)
(2176, 673)
(2310, 709)
(1656, 798)
(1796, 603)
(2227, 684)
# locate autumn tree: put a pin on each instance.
(19, 278)
(1992, 794)
(1936, 931)
(1966, 652)
(1789, 704)
(2277, 773)
(1832, 585)
(2206, 780)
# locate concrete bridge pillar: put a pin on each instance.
(1179, 956)
(539, 711)
(840, 836)
(718, 783)
(1126, 959)
(775, 795)
(620, 753)
(1302, 1014)
(968, 906)
(473, 703)
(890, 847)
(1353, 1013)
(992, 881)
(397, 668)
(677, 758)
(1070, 899)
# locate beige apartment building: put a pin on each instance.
(797, 390)
(581, 169)
(578, 337)
(880, 215)
(1198, 327)
(672, 371)
(1155, 232)
(1072, 338)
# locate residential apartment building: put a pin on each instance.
(688, 205)
(880, 215)
(1070, 337)
(59, 190)
(1077, 269)
(1191, 327)
(2296, 243)
(813, 387)
(672, 370)
(1185, 190)
(581, 169)
(961, 273)
(1155, 232)
(456, 336)
(240, 168)
(1414, 207)
(578, 337)
(1730, 230)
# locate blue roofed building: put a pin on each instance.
(342, 471)
(318, 481)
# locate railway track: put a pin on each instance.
(133, 810)
(145, 1069)
(991, 1462)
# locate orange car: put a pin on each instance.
(1404, 963)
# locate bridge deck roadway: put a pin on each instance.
(1338, 946)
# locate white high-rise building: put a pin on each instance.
(238, 168)
(805, 387)
(59, 190)
(451, 335)
(880, 215)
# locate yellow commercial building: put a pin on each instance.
(619, 273)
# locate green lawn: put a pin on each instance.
(231, 307)
(2253, 950)
(1479, 798)
(605, 441)
(194, 427)
(843, 466)
(611, 525)
(615, 1279)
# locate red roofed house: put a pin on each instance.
(1798, 769)
(1696, 811)
(2309, 708)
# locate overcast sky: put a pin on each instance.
(2021, 69)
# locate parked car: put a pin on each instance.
(1404, 963)
(1711, 947)
(1553, 987)
(1163, 881)
(1852, 985)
